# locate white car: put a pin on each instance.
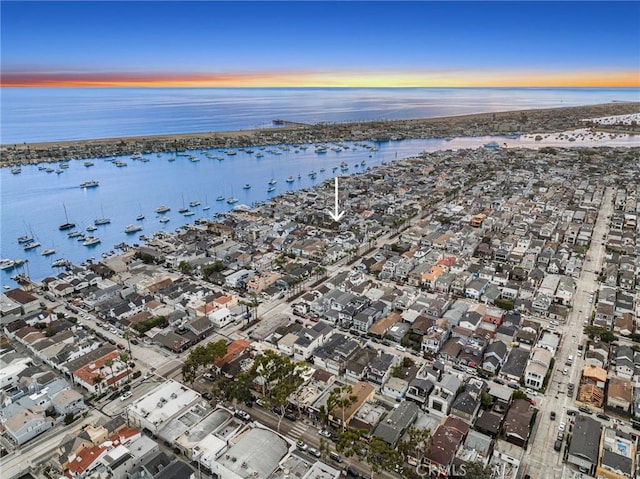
(126, 396)
(324, 433)
(561, 427)
(531, 392)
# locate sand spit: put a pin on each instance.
(501, 123)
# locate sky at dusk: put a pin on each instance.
(271, 44)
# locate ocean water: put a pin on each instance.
(53, 114)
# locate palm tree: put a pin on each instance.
(109, 363)
(124, 358)
(127, 335)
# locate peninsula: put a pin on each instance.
(509, 122)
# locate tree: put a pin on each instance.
(238, 389)
(324, 447)
(486, 399)
(381, 457)
(97, 381)
(396, 371)
(280, 377)
(477, 470)
(341, 397)
(109, 363)
(202, 356)
(350, 443)
(127, 335)
(184, 267)
(69, 418)
(415, 445)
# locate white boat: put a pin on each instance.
(246, 187)
(74, 234)
(195, 203)
(16, 170)
(91, 228)
(132, 228)
(188, 213)
(91, 240)
(164, 219)
(90, 184)
(59, 263)
(88, 163)
(140, 217)
(290, 179)
(25, 239)
(272, 181)
(102, 221)
(162, 209)
(220, 198)
(259, 155)
(271, 189)
(47, 251)
(31, 245)
(232, 200)
(7, 263)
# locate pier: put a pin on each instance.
(290, 124)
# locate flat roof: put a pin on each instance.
(164, 402)
(242, 457)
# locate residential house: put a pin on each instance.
(443, 395)
(585, 443)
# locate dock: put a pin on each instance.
(290, 123)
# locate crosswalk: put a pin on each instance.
(298, 430)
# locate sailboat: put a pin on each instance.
(67, 225)
(206, 204)
(232, 199)
(184, 209)
(140, 217)
(103, 220)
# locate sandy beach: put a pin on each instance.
(501, 123)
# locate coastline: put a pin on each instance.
(528, 121)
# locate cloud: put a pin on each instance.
(62, 77)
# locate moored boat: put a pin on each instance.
(132, 228)
(31, 245)
(232, 200)
(47, 252)
(67, 225)
(162, 209)
(6, 263)
(90, 184)
(91, 240)
(25, 239)
(220, 198)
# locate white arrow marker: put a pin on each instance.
(336, 215)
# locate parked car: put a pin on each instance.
(552, 415)
(571, 412)
(243, 415)
(209, 377)
(314, 452)
(302, 446)
(113, 396)
(531, 392)
(561, 427)
(603, 416)
(290, 416)
(557, 445)
(335, 457)
(324, 433)
(208, 396)
(126, 395)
